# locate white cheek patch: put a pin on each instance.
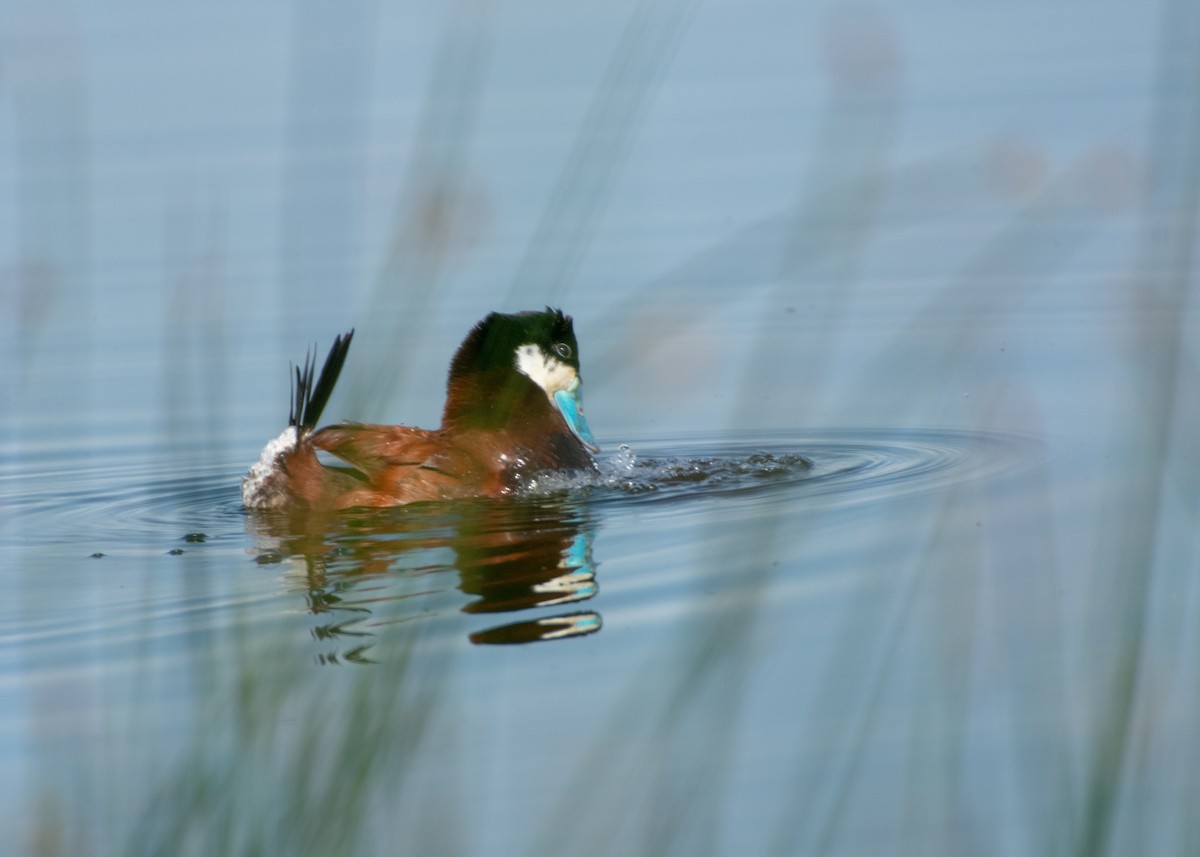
(549, 373)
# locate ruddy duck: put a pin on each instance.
(513, 409)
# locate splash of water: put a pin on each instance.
(627, 473)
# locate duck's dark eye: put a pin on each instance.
(562, 350)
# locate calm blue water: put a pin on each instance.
(888, 325)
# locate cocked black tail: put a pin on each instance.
(309, 398)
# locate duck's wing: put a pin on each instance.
(373, 448)
(401, 464)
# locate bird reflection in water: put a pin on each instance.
(509, 556)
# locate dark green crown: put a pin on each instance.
(492, 343)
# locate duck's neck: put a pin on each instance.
(516, 418)
(492, 401)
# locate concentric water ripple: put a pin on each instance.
(521, 570)
(832, 467)
(128, 502)
(121, 503)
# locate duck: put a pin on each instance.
(513, 410)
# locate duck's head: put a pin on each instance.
(517, 370)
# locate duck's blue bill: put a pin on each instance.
(571, 407)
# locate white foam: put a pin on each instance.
(261, 487)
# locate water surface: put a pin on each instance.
(893, 310)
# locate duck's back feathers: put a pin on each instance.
(372, 448)
(406, 465)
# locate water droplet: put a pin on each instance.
(625, 460)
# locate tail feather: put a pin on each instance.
(310, 396)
